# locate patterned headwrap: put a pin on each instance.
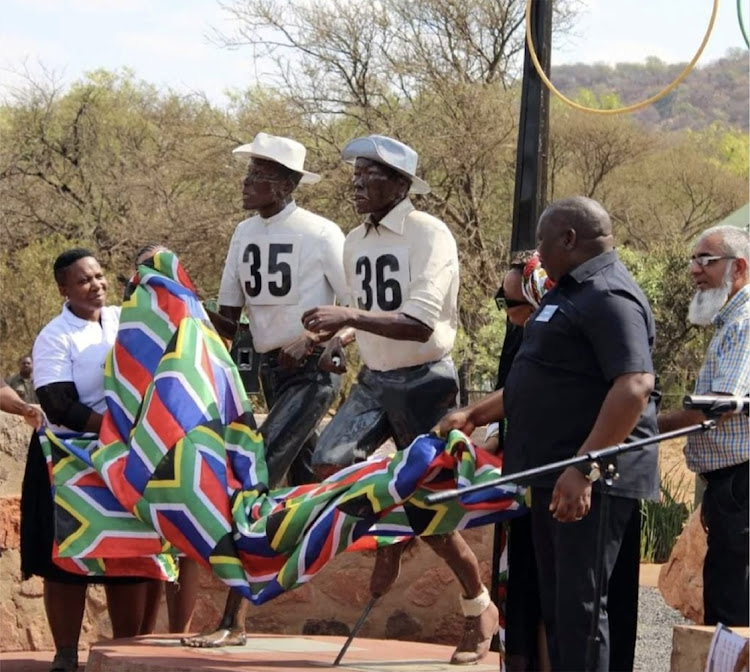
(535, 282)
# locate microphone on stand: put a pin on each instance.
(714, 405)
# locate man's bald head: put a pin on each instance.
(572, 231)
(585, 216)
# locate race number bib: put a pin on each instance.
(269, 270)
(382, 278)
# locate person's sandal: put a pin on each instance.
(66, 660)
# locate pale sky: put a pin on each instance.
(165, 42)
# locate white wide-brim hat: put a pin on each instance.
(392, 153)
(289, 153)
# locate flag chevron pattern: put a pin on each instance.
(179, 467)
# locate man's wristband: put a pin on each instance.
(590, 470)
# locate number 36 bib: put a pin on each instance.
(381, 278)
(269, 270)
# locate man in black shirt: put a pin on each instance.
(582, 380)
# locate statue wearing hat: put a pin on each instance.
(401, 265)
(282, 261)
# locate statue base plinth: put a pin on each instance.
(273, 652)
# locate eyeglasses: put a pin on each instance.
(707, 260)
(503, 303)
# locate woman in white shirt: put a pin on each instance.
(69, 356)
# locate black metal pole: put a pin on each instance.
(552, 467)
(531, 177)
(355, 630)
(600, 580)
(533, 134)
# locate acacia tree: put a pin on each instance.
(113, 162)
(362, 60)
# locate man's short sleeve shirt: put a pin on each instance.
(725, 370)
(407, 263)
(277, 268)
(592, 327)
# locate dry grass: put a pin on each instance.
(672, 466)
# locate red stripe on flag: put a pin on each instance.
(177, 538)
(91, 479)
(206, 366)
(175, 308)
(124, 547)
(122, 489)
(184, 280)
(259, 565)
(162, 421)
(145, 568)
(213, 490)
(135, 373)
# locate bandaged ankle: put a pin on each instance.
(474, 606)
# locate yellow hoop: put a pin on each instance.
(618, 110)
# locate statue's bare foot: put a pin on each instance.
(217, 638)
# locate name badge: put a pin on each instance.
(546, 314)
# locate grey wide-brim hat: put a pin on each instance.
(287, 152)
(392, 153)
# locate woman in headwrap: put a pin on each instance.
(524, 285)
(520, 294)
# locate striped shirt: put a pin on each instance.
(725, 370)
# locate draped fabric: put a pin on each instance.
(179, 467)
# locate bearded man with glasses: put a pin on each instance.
(719, 267)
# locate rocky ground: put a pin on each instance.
(14, 440)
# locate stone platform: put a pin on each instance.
(262, 652)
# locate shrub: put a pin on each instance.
(662, 521)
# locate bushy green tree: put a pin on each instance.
(662, 274)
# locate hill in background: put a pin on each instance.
(714, 92)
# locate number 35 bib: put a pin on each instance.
(381, 278)
(269, 270)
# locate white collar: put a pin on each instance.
(396, 217)
(281, 215)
